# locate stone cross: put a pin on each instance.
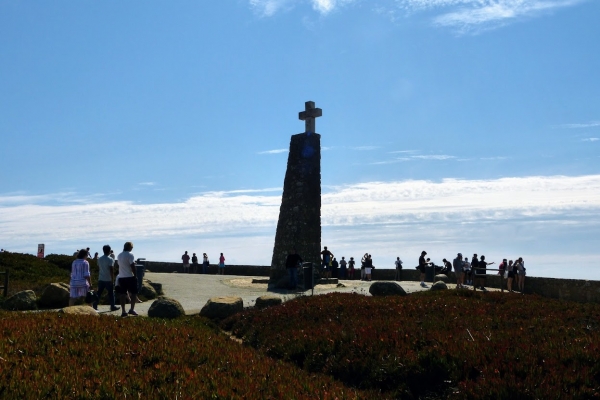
(308, 116)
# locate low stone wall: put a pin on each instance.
(562, 289)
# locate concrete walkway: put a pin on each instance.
(193, 291)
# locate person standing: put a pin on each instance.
(480, 274)
(194, 264)
(457, 263)
(521, 274)
(222, 265)
(421, 268)
(511, 275)
(334, 268)
(112, 254)
(81, 280)
(343, 270)
(326, 257)
(467, 271)
(368, 268)
(106, 277)
(127, 281)
(398, 268)
(186, 263)
(204, 263)
(292, 262)
(351, 264)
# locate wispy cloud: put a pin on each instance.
(461, 15)
(403, 152)
(434, 157)
(276, 151)
(147, 184)
(591, 124)
(365, 148)
(592, 139)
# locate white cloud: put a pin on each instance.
(268, 8)
(276, 151)
(365, 148)
(146, 183)
(591, 124)
(592, 139)
(434, 157)
(534, 216)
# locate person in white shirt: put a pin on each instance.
(398, 268)
(127, 281)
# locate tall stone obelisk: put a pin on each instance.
(299, 223)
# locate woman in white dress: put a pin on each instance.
(80, 277)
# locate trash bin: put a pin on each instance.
(429, 273)
(307, 269)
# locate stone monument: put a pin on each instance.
(299, 224)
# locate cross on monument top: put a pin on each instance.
(308, 116)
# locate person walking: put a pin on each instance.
(204, 263)
(186, 263)
(106, 278)
(221, 265)
(343, 268)
(194, 264)
(81, 281)
(398, 268)
(127, 281)
(292, 262)
(457, 263)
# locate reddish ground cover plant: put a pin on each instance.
(452, 344)
(77, 357)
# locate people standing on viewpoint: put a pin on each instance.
(343, 270)
(106, 277)
(398, 268)
(457, 263)
(326, 257)
(186, 263)
(292, 262)
(368, 268)
(221, 265)
(204, 263)
(351, 264)
(127, 281)
(194, 264)
(81, 281)
(421, 268)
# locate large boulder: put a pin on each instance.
(222, 307)
(268, 301)
(386, 289)
(148, 291)
(166, 307)
(439, 286)
(442, 277)
(24, 300)
(55, 295)
(157, 287)
(79, 310)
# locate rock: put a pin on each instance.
(441, 277)
(79, 310)
(148, 291)
(439, 286)
(268, 301)
(386, 289)
(55, 295)
(222, 307)
(165, 307)
(24, 300)
(157, 287)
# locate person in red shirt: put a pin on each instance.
(186, 262)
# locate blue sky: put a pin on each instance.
(448, 125)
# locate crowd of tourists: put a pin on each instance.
(196, 268)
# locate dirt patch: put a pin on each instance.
(245, 283)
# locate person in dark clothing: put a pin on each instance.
(334, 268)
(421, 268)
(195, 264)
(292, 262)
(480, 274)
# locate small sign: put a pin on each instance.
(41, 249)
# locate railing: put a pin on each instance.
(5, 287)
(484, 275)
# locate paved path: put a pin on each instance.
(193, 291)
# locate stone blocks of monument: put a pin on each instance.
(299, 224)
